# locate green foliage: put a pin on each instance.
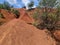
(50, 21)
(31, 4)
(35, 24)
(48, 3)
(36, 15)
(16, 12)
(58, 10)
(1, 15)
(1, 6)
(6, 6)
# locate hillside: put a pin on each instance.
(8, 15)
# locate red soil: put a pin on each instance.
(57, 34)
(8, 15)
(23, 15)
(27, 18)
(17, 32)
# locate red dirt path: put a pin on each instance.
(17, 32)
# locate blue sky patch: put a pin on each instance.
(20, 3)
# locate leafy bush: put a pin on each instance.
(1, 15)
(36, 15)
(50, 21)
(35, 23)
(16, 12)
(1, 6)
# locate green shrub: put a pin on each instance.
(35, 15)
(16, 12)
(35, 23)
(1, 15)
(1, 6)
(50, 21)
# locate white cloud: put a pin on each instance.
(12, 1)
(26, 3)
(16, 3)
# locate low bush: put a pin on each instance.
(35, 23)
(1, 15)
(49, 21)
(16, 12)
(36, 15)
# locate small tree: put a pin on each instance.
(7, 6)
(47, 4)
(30, 5)
(1, 6)
(49, 20)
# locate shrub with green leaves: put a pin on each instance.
(50, 21)
(16, 12)
(35, 23)
(36, 15)
(1, 15)
(1, 6)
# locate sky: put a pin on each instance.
(20, 3)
